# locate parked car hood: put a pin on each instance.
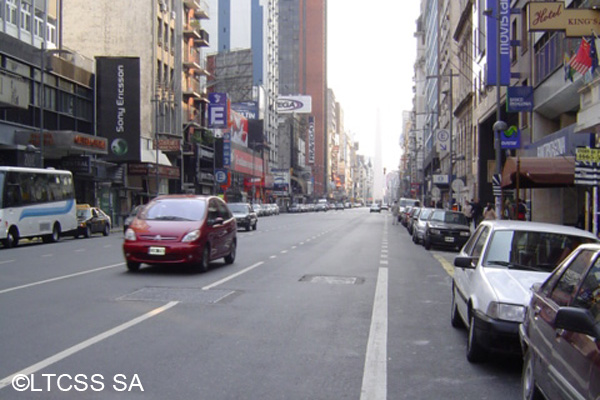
(513, 286)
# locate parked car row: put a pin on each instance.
(527, 289)
(265, 210)
(320, 206)
(434, 227)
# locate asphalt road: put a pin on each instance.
(336, 305)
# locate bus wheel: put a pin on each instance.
(54, 236)
(12, 239)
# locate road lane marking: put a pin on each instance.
(284, 251)
(48, 255)
(6, 261)
(59, 278)
(230, 277)
(374, 384)
(449, 268)
(85, 344)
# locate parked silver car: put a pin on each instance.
(493, 275)
(420, 224)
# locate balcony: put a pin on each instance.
(192, 88)
(194, 62)
(194, 31)
(200, 7)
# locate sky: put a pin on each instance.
(371, 52)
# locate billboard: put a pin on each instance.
(249, 109)
(118, 104)
(218, 110)
(294, 104)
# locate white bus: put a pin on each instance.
(35, 203)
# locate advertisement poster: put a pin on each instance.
(118, 100)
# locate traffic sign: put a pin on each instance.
(442, 140)
(221, 176)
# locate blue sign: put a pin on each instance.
(248, 109)
(520, 98)
(217, 110)
(510, 138)
(221, 176)
(503, 17)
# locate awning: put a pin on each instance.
(149, 156)
(539, 172)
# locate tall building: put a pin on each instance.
(303, 58)
(154, 60)
(50, 96)
(262, 19)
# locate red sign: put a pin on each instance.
(246, 163)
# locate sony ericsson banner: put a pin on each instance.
(118, 103)
(503, 17)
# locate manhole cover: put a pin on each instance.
(183, 295)
(332, 279)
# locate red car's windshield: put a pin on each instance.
(175, 210)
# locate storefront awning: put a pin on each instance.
(538, 172)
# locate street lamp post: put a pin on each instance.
(42, 99)
(499, 125)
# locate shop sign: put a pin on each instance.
(520, 99)
(78, 164)
(168, 145)
(147, 169)
(311, 140)
(510, 138)
(552, 16)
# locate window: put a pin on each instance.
(11, 11)
(568, 282)
(589, 294)
(26, 16)
(478, 245)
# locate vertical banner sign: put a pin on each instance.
(218, 110)
(118, 102)
(496, 16)
(311, 140)
(227, 149)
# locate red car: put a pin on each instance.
(181, 229)
(561, 333)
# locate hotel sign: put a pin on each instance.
(552, 16)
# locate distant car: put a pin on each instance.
(259, 210)
(561, 331)
(339, 206)
(375, 208)
(384, 206)
(420, 224)
(244, 215)
(130, 217)
(493, 275)
(181, 229)
(448, 229)
(91, 220)
(294, 208)
(321, 207)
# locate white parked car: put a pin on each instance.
(494, 273)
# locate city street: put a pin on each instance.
(335, 305)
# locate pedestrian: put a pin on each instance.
(477, 212)
(489, 213)
(521, 210)
(468, 211)
(395, 212)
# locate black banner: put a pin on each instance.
(118, 102)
